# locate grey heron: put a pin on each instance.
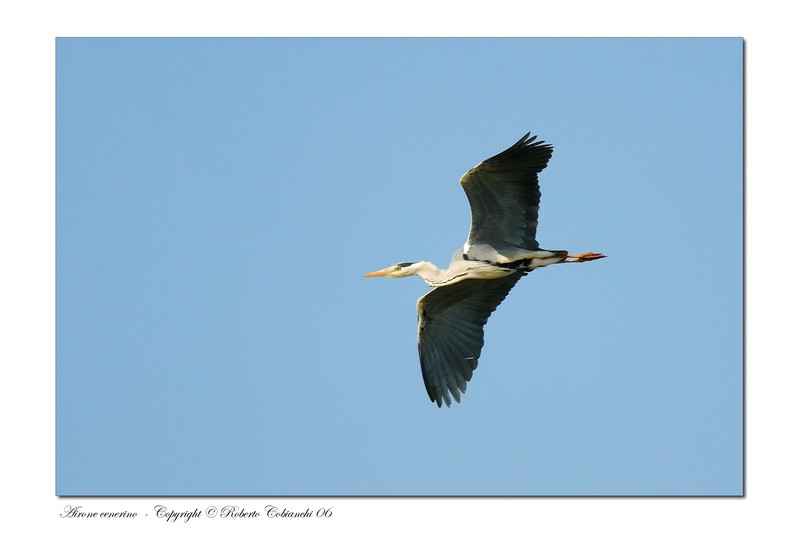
(504, 195)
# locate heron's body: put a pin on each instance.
(461, 268)
(504, 196)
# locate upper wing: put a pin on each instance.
(503, 193)
(451, 320)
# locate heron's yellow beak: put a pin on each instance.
(377, 273)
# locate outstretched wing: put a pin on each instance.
(504, 195)
(451, 320)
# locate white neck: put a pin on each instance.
(430, 273)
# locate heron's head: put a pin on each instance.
(400, 270)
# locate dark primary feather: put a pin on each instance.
(451, 320)
(504, 195)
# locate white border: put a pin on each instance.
(27, 199)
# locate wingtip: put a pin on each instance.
(441, 397)
(525, 139)
(443, 400)
(445, 397)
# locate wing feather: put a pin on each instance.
(451, 320)
(504, 196)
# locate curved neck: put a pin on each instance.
(432, 275)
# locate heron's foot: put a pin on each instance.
(581, 258)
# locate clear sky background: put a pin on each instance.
(218, 201)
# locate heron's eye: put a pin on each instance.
(398, 267)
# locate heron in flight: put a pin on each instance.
(503, 194)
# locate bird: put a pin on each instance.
(501, 248)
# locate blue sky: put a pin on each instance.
(218, 201)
